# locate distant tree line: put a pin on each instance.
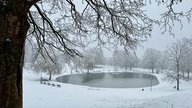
(177, 58)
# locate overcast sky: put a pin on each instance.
(158, 40)
(161, 41)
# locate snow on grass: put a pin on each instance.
(38, 95)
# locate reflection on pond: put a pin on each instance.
(111, 80)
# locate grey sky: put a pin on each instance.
(158, 40)
(161, 41)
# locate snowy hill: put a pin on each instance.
(38, 95)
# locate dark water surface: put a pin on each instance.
(111, 80)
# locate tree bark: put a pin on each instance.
(130, 68)
(188, 73)
(50, 74)
(178, 69)
(152, 70)
(13, 30)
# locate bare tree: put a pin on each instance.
(125, 59)
(116, 59)
(123, 21)
(88, 61)
(163, 62)
(98, 55)
(186, 61)
(57, 23)
(151, 58)
(176, 52)
(133, 61)
(49, 64)
(172, 15)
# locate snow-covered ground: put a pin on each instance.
(38, 95)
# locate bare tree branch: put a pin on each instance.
(171, 16)
(102, 22)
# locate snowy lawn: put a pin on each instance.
(38, 95)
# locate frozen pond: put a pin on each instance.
(111, 80)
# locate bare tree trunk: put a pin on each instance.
(50, 75)
(183, 73)
(13, 30)
(177, 75)
(125, 68)
(152, 70)
(188, 74)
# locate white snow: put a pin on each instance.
(38, 95)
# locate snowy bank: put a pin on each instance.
(37, 95)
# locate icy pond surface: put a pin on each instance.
(110, 80)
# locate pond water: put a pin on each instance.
(110, 80)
